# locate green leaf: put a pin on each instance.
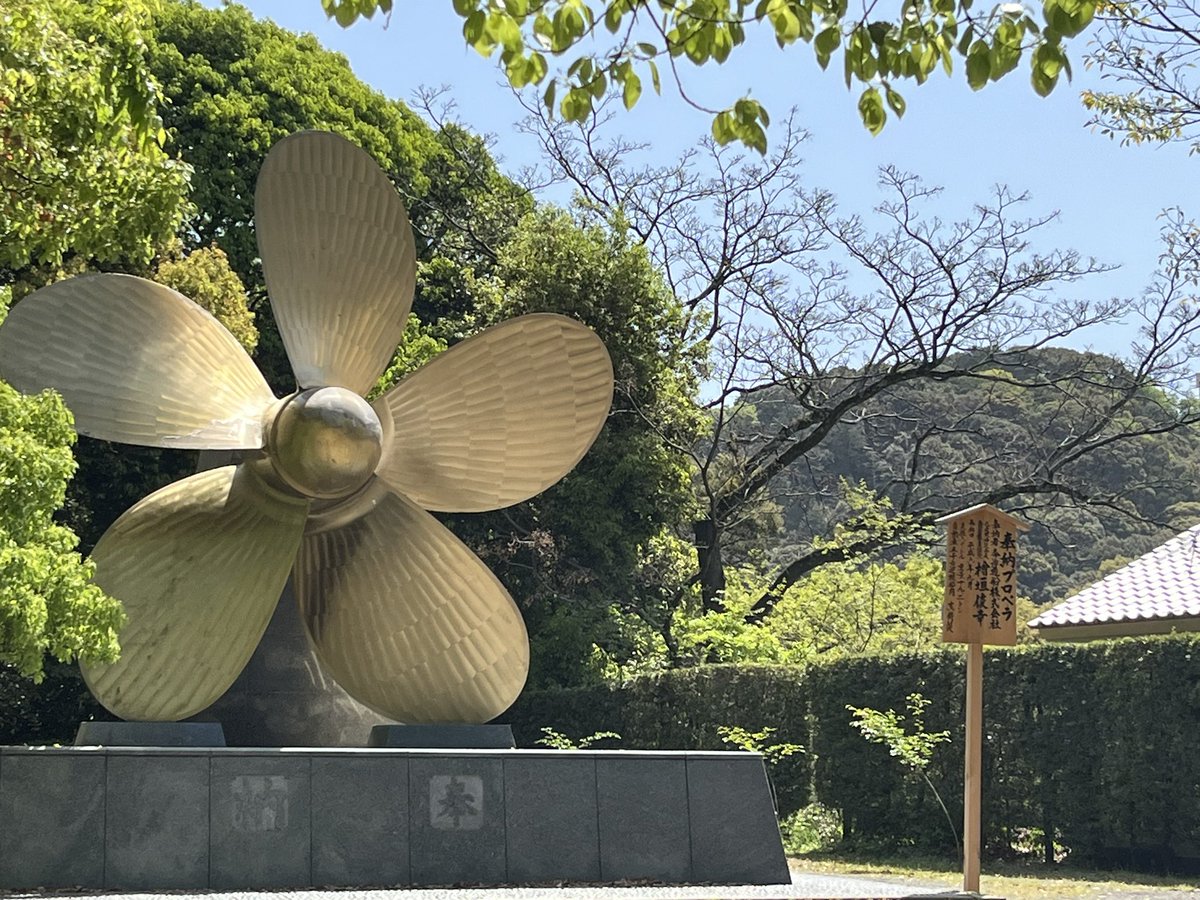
(722, 45)
(538, 68)
(517, 71)
(598, 85)
(633, 90)
(612, 17)
(896, 102)
(1046, 65)
(654, 79)
(825, 43)
(1068, 17)
(870, 107)
(979, 65)
(504, 30)
(723, 128)
(577, 105)
(786, 24)
(861, 54)
(474, 29)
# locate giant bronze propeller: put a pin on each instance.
(406, 618)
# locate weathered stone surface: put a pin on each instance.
(643, 810)
(734, 832)
(359, 820)
(149, 734)
(221, 818)
(456, 806)
(550, 810)
(260, 821)
(156, 822)
(51, 820)
(443, 737)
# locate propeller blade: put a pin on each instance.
(136, 362)
(405, 617)
(337, 252)
(199, 566)
(499, 417)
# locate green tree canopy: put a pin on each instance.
(82, 170)
(614, 47)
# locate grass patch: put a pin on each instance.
(1011, 880)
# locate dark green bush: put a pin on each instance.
(45, 713)
(1091, 745)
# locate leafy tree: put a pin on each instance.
(82, 170)
(894, 353)
(913, 749)
(1148, 48)
(48, 603)
(570, 551)
(633, 37)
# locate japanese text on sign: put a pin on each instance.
(980, 603)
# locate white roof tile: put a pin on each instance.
(1163, 584)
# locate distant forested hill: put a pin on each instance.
(927, 442)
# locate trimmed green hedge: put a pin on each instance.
(1097, 745)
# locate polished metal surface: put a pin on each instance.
(407, 619)
(399, 611)
(199, 566)
(338, 257)
(499, 417)
(136, 362)
(325, 442)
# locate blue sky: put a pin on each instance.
(1108, 196)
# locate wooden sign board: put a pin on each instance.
(980, 603)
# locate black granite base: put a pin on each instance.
(149, 734)
(239, 819)
(443, 737)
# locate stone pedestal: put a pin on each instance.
(129, 819)
(442, 737)
(149, 734)
(283, 699)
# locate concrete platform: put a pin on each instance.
(150, 819)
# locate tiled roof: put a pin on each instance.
(1162, 585)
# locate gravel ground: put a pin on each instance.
(803, 886)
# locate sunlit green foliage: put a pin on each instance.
(907, 742)
(1147, 48)
(82, 169)
(47, 601)
(418, 347)
(615, 47)
(204, 276)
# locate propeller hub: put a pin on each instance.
(325, 442)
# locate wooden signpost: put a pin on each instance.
(979, 607)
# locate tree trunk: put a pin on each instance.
(708, 557)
